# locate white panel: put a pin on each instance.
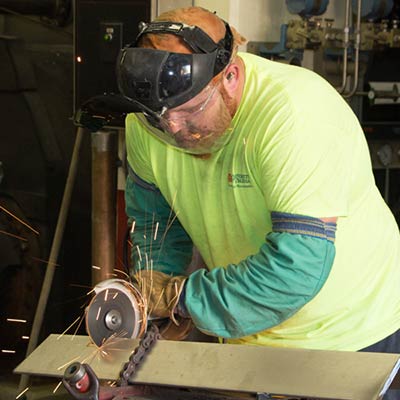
(221, 7)
(165, 5)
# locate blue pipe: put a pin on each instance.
(307, 8)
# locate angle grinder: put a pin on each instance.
(117, 310)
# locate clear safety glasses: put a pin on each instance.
(171, 120)
(188, 111)
(193, 127)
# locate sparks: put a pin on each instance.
(106, 295)
(19, 220)
(60, 336)
(122, 272)
(8, 351)
(25, 337)
(133, 226)
(115, 295)
(156, 231)
(95, 267)
(77, 328)
(98, 314)
(23, 392)
(23, 321)
(45, 261)
(138, 250)
(67, 363)
(56, 388)
(14, 236)
(79, 285)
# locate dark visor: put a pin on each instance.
(159, 79)
(163, 80)
(176, 75)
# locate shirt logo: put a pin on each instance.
(239, 180)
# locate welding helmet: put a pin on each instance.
(158, 81)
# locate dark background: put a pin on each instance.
(41, 85)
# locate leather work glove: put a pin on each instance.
(170, 331)
(162, 293)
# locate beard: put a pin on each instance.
(203, 135)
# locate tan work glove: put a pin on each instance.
(170, 331)
(161, 293)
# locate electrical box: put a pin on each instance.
(101, 29)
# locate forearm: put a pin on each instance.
(263, 290)
(158, 239)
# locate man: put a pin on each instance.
(265, 169)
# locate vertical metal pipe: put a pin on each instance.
(346, 47)
(357, 52)
(104, 192)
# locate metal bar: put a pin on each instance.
(301, 373)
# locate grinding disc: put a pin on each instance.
(115, 311)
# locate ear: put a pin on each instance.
(231, 78)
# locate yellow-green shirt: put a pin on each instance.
(296, 148)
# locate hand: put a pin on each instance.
(170, 331)
(162, 293)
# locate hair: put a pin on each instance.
(209, 22)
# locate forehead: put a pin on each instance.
(165, 42)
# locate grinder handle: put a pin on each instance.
(81, 382)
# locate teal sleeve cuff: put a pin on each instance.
(263, 290)
(158, 239)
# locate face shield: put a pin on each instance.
(174, 90)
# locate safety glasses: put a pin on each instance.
(194, 108)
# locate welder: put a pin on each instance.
(265, 170)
